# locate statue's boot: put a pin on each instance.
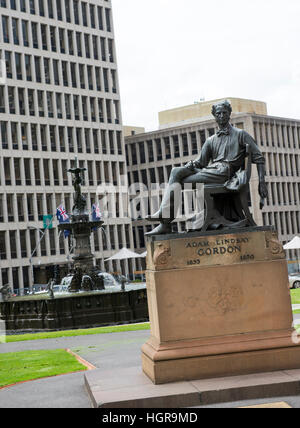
(166, 212)
(162, 229)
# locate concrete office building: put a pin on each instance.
(182, 133)
(59, 98)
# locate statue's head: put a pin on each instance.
(222, 112)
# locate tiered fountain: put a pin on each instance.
(85, 274)
(88, 301)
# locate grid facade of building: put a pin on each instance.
(59, 99)
(151, 156)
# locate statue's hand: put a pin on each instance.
(190, 165)
(263, 190)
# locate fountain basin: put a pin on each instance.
(80, 310)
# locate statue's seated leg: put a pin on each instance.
(166, 210)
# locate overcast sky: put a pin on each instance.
(174, 52)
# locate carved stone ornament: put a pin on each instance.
(226, 299)
(275, 246)
(161, 254)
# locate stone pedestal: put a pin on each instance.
(219, 305)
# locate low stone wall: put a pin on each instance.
(72, 312)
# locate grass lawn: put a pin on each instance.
(21, 366)
(83, 332)
(295, 295)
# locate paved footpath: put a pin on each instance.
(104, 351)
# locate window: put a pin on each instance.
(62, 40)
(7, 174)
(142, 152)
(20, 207)
(14, 135)
(55, 72)
(8, 63)
(87, 45)
(65, 73)
(14, 23)
(47, 70)
(100, 108)
(73, 75)
(103, 49)
(76, 106)
(34, 140)
(76, 11)
(23, 5)
(52, 138)
(98, 78)
(41, 8)
(107, 18)
(90, 76)
(50, 9)
(24, 136)
(50, 104)
(40, 96)
(70, 42)
(32, 6)
(68, 106)
(158, 149)
(13, 248)
(105, 78)
(59, 106)
(111, 50)
(82, 76)
(25, 33)
(37, 64)
(34, 35)
(61, 139)
(79, 140)
(53, 38)
(100, 17)
(84, 14)
(5, 29)
(21, 101)
(3, 135)
(58, 9)
(92, 16)
(78, 43)
(11, 99)
(84, 108)
(18, 66)
(67, 7)
(95, 47)
(27, 170)
(44, 36)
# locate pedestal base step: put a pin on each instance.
(130, 388)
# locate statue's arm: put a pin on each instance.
(258, 158)
(203, 160)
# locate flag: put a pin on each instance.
(96, 214)
(63, 217)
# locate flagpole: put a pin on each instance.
(37, 246)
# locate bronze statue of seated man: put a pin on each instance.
(222, 156)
